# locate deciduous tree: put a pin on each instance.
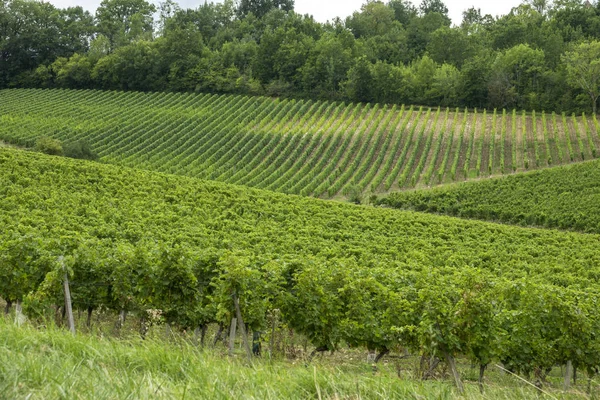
(583, 69)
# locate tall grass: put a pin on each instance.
(52, 364)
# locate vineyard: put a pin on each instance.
(305, 147)
(133, 240)
(566, 197)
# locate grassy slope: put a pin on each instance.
(287, 146)
(52, 364)
(566, 197)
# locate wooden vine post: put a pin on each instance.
(19, 318)
(455, 374)
(242, 327)
(568, 375)
(272, 338)
(68, 305)
(232, 336)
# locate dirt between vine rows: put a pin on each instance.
(446, 141)
(403, 136)
(462, 158)
(489, 135)
(531, 143)
(476, 143)
(440, 133)
(411, 147)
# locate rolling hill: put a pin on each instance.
(305, 147)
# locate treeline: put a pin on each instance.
(539, 56)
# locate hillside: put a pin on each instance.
(566, 197)
(377, 278)
(323, 149)
(44, 196)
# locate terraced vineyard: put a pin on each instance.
(305, 147)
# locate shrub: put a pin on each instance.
(49, 146)
(355, 194)
(80, 149)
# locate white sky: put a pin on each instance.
(324, 10)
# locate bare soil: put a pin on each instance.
(595, 132)
(541, 143)
(361, 136)
(429, 130)
(448, 138)
(489, 136)
(476, 143)
(508, 144)
(443, 134)
(466, 143)
(412, 146)
(403, 136)
(386, 144)
(572, 136)
(585, 137)
(531, 142)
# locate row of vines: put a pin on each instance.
(132, 241)
(306, 147)
(564, 197)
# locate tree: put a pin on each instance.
(390, 48)
(420, 29)
(404, 11)
(31, 34)
(450, 45)
(429, 6)
(122, 21)
(574, 20)
(166, 9)
(522, 67)
(374, 19)
(473, 21)
(475, 74)
(327, 65)
(73, 73)
(521, 26)
(446, 85)
(435, 6)
(48, 145)
(392, 84)
(360, 82)
(583, 69)
(541, 6)
(261, 7)
(132, 67)
(180, 50)
(382, 35)
(77, 30)
(423, 72)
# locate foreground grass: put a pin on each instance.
(52, 364)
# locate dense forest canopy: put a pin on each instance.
(543, 55)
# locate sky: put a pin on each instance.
(324, 10)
